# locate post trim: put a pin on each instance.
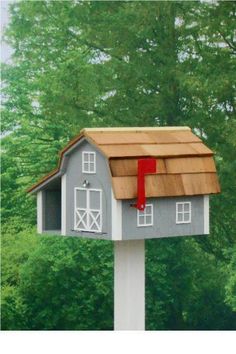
(116, 218)
(206, 215)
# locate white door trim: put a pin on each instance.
(91, 218)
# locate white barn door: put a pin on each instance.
(88, 210)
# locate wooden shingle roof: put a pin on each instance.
(145, 142)
(185, 166)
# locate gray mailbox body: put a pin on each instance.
(93, 190)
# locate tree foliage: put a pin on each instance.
(60, 284)
(186, 287)
(129, 63)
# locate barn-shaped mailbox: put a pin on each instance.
(129, 183)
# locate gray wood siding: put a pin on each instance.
(164, 219)
(100, 180)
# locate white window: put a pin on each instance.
(88, 162)
(88, 210)
(145, 218)
(183, 213)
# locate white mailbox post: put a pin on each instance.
(129, 285)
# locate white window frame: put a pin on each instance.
(87, 212)
(145, 214)
(183, 212)
(91, 162)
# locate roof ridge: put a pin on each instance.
(132, 129)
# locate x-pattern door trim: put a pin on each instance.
(88, 218)
(82, 214)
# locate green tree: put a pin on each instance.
(67, 284)
(186, 287)
(121, 63)
(230, 270)
(18, 241)
(53, 283)
(78, 64)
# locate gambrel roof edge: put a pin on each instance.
(59, 170)
(123, 146)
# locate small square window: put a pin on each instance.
(180, 217)
(183, 213)
(180, 207)
(88, 162)
(86, 158)
(145, 217)
(186, 207)
(186, 217)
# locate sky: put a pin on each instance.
(6, 50)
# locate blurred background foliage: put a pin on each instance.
(129, 63)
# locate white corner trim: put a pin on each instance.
(63, 204)
(206, 215)
(116, 218)
(40, 212)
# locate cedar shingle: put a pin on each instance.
(155, 150)
(167, 185)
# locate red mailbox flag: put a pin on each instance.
(145, 166)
